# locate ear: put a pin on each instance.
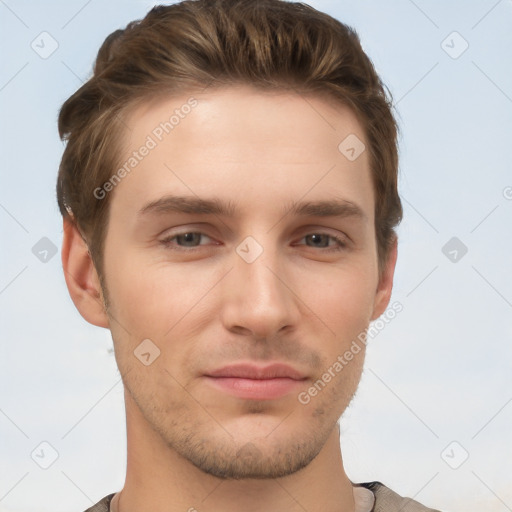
(81, 277)
(385, 286)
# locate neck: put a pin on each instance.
(160, 479)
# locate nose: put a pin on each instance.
(258, 300)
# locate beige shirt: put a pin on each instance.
(369, 497)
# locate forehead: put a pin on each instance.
(252, 114)
(250, 146)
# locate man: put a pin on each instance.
(229, 194)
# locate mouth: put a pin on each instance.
(252, 382)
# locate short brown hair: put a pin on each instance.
(268, 44)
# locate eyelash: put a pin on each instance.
(166, 242)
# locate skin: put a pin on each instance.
(190, 445)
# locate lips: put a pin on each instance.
(252, 382)
(249, 371)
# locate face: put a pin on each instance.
(242, 246)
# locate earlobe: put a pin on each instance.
(385, 286)
(81, 277)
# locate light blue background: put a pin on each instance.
(440, 372)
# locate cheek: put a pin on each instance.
(152, 298)
(343, 298)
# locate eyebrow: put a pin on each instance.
(195, 205)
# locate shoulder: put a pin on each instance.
(103, 505)
(387, 500)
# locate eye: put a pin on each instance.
(321, 240)
(183, 240)
(192, 239)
